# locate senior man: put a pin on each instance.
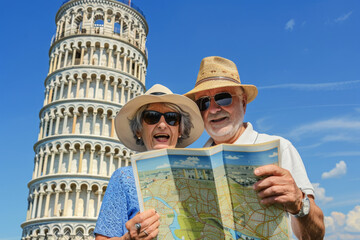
(222, 100)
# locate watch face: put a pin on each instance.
(306, 205)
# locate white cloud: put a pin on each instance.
(330, 124)
(342, 154)
(290, 25)
(264, 124)
(274, 154)
(339, 170)
(353, 220)
(189, 162)
(343, 85)
(231, 157)
(343, 226)
(343, 17)
(320, 194)
(339, 218)
(165, 165)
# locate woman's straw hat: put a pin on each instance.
(156, 94)
(217, 72)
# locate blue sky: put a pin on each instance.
(303, 56)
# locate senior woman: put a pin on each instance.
(156, 120)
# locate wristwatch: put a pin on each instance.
(305, 207)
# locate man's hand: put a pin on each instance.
(278, 186)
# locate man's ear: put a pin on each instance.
(244, 102)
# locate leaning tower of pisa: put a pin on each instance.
(97, 63)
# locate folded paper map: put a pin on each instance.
(207, 193)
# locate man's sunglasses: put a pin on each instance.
(221, 99)
(153, 117)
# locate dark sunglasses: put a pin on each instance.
(153, 117)
(221, 99)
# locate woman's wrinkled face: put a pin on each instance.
(159, 135)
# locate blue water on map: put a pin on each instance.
(239, 235)
(175, 224)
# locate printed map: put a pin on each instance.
(207, 193)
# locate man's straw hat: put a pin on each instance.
(217, 72)
(156, 94)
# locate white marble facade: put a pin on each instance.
(97, 62)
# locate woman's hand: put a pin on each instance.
(143, 226)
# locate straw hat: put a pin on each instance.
(217, 72)
(157, 93)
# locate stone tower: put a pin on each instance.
(98, 62)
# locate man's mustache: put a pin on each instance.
(218, 115)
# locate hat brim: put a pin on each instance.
(127, 112)
(250, 90)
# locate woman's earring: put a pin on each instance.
(179, 136)
(139, 137)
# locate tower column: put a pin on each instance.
(71, 150)
(47, 202)
(115, 84)
(109, 57)
(53, 152)
(60, 160)
(36, 166)
(36, 196)
(41, 163)
(51, 64)
(69, 87)
(47, 152)
(102, 153)
(91, 161)
(104, 116)
(87, 202)
(93, 122)
(98, 203)
(39, 207)
(81, 159)
(64, 129)
(106, 88)
(88, 80)
(59, 56)
(56, 203)
(46, 120)
(67, 190)
(111, 163)
(122, 98)
(58, 116)
(85, 114)
(97, 87)
(62, 81)
(91, 55)
(78, 190)
(66, 56)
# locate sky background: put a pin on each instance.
(303, 56)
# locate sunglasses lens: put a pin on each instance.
(172, 118)
(223, 99)
(151, 117)
(203, 103)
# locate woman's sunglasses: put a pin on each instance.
(153, 117)
(221, 99)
